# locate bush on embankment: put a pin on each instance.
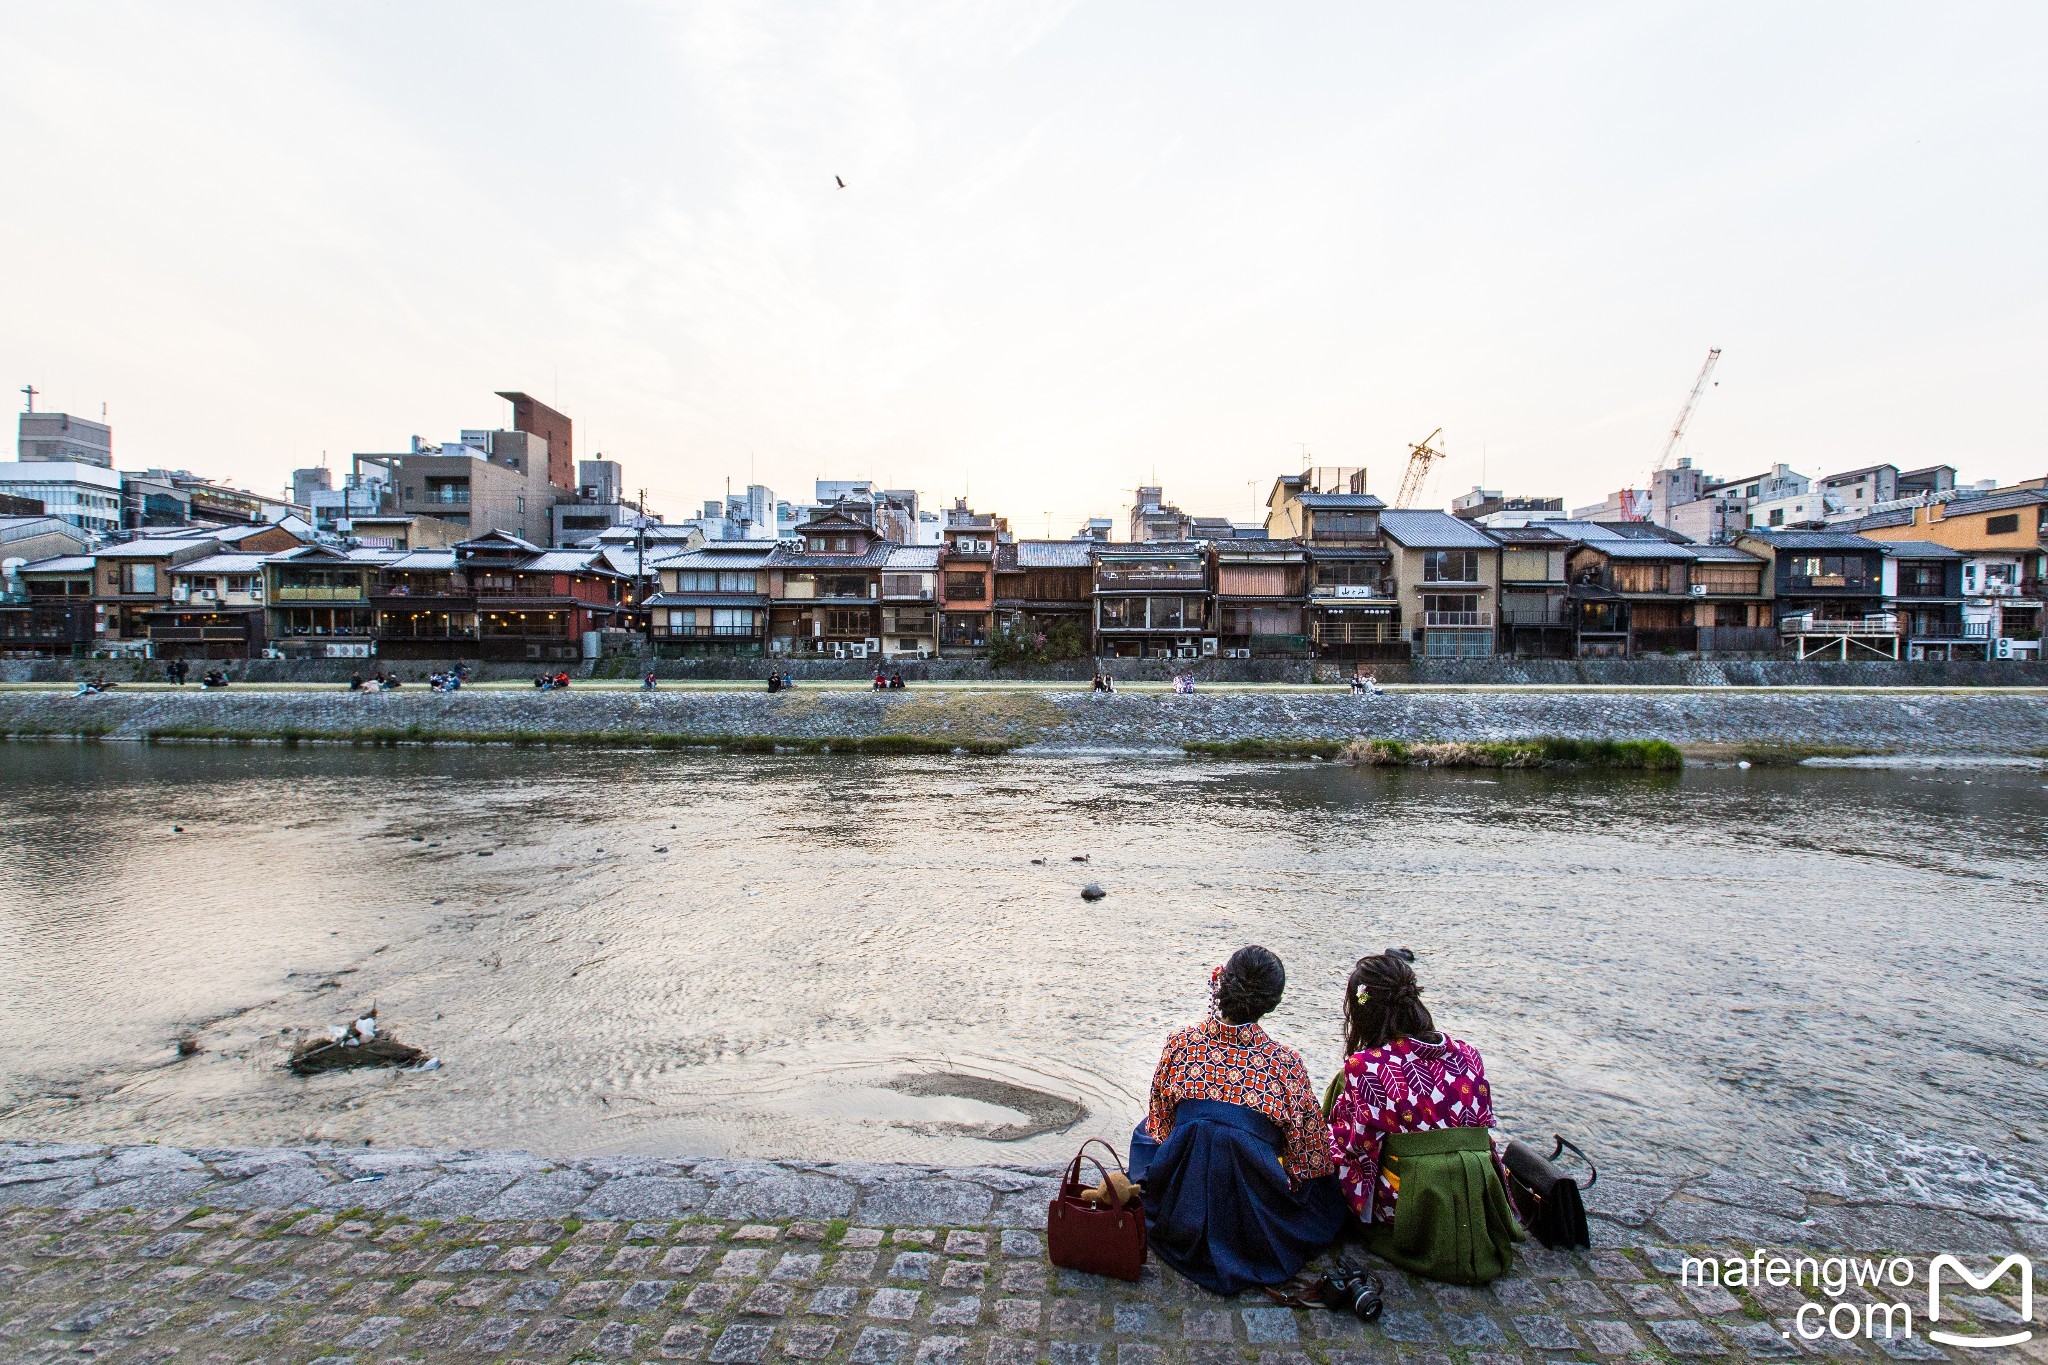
(1546, 751)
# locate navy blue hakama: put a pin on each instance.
(1219, 1206)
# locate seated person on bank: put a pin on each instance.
(1409, 1120)
(1234, 1154)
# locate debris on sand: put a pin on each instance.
(359, 1044)
(1093, 892)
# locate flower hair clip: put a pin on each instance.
(1363, 995)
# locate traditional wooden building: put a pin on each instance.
(216, 609)
(51, 615)
(910, 601)
(713, 599)
(1044, 589)
(1827, 593)
(1632, 595)
(496, 597)
(1535, 620)
(1152, 600)
(967, 588)
(1446, 577)
(318, 599)
(1261, 608)
(825, 595)
(1923, 591)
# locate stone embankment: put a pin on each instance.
(352, 1255)
(1904, 722)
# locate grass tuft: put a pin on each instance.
(1546, 751)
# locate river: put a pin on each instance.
(865, 959)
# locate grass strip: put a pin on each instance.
(1773, 754)
(542, 739)
(1545, 751)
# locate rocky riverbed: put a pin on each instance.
(347, 1255)
(1891, 721)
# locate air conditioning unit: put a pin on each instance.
(2004, 646)
(924, 595)
(859, 651)
(1698, 590)
(924, 652)
(1209, 647)
(839, 651)
(874, 645)
(1237, 654)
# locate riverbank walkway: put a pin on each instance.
(157, 1254)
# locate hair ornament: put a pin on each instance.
(1363, 995)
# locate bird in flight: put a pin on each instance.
(842, 183)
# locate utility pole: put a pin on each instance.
(30, 390)
(640, 572)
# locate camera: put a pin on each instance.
(1355, 1291)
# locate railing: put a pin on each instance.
(1948, 628)
(1278, 644)
(1135, 580)
(1457, 618)
(1830, 582)
(705, 632)
(447, 497)
(288, 592)
(1665, 640)
(1532, 616)
(1343, 632)
(487, 591)
(1868, 625)
(197, 634)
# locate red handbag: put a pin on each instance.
(1097, 1238)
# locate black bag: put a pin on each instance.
(1546, 1198)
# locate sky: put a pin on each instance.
(1081, 247)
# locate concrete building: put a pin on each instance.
(1674, 487)
(599, 504)
(487, 481)
(58, 437)
(39, 537)
(1794, 510)
(1781, 482)
(1446, 581)
(84, 495)
(554, 430)
(1482, 503)
(1858, 492)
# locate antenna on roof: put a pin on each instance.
(30, 390)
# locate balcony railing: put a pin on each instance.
(1341, 631)
(1457, 618)
(1533, 616)
(197, 634)
(1812, 625)
(447, 497)
(290, 592)
(706, 632)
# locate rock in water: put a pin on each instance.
(1093, 892)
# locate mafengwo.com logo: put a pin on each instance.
(1980, 1283)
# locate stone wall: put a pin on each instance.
(1912, 722)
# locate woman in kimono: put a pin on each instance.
(1412, 1107)
(1234, 1154)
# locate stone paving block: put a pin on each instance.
(1683, 1337)
(1074, 1353)
(639, 1197)
(1011, 1351)
(757, 1232)
(479, 1293)
(372, 1332)
(913, 1237)
(533, 1295)
(849, 1266)
(861, 1237)
(631, 1258)
(962, 1243)
(588, 1294)
(796, 1267)
(742, 1264)
(1405, 1324)
(1649, 1301)
(467, 1259)
(879, 1346)
(1910, 1348)
(1207, 1324)
(809, 1341)
(684, 1341)
(1711, 1299)
(551, 1335)
(1518, 1293)
(1071, 1317)
(913, 1265)
(518, 1258)
(1024, 1278)
(741, 1344)
(598, 1230)
(1139, 1320)
(964, 1274)
(942, 1351)
(1546, 1333)
(1611, 1338)
(894, 1305)
(769, 1300)
(578, 1258)
(1269, 1326)
(835, 1301)
(683, 1260)
(1472, 1330)
(708, 1299)
(1762, 1341)
(1582, 1296)
(1017, 1315)
(642, 1295)
(1017, 1243)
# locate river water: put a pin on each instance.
(863, 959)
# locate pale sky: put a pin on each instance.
(1083, 246)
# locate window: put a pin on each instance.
(963, 630)
(1452, 609)
(732, 621)
(1344, 526)
(138, 578)
(1167, 613)
(2002, 526)
(1777, 516)
(842, 621)
(1347, 573)
(1450, 566)
(965, 587)
(1122, 612)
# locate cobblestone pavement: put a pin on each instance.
(150, 1254)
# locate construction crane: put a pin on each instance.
(1421, 456)
(1692, 400)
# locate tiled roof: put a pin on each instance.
(565, 561)
(1917, 549)
(432, 561)
(1813, 540)
(1427, 530)
(1053, 554)
(912, 558)
(724, 554)
(1642, 549)
(61, 564)
(1998, 502)
(1850, 474)
(706, 599)
(224, 563)
(1899, 516)
(1337, 502)
(152, 549)
(874, 557)
(1724, 554)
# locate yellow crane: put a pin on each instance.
(1421, 456)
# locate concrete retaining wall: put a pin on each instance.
(1917, 722)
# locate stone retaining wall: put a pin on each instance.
(1907, 722)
